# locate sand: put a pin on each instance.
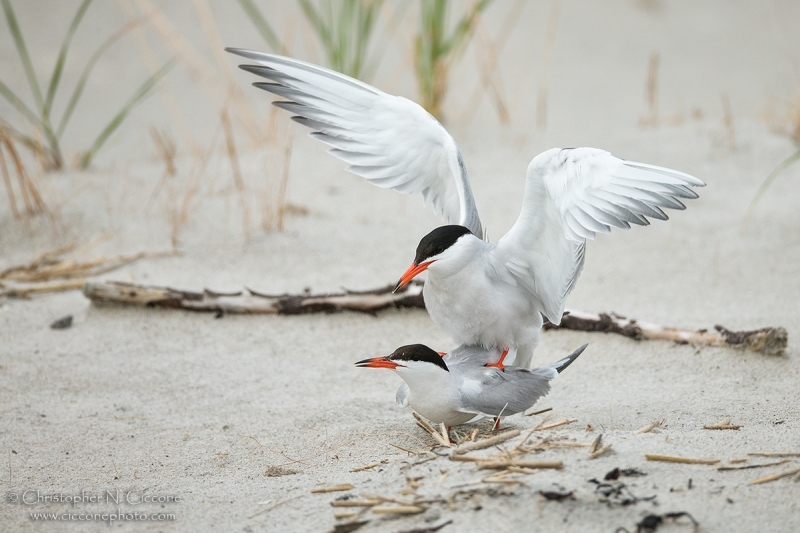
(241, 417)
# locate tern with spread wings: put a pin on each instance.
(490, 295)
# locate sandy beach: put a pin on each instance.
(241, 417)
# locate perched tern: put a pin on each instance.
(491, 295)
(459, 387)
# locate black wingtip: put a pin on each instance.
(564, 363)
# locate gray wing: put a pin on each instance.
(490, 391)
(388, 140)
(402, 395)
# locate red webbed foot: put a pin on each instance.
(499, 364)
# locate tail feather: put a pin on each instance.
(564, 363)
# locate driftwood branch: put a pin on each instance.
(772, 341)
(248, 301)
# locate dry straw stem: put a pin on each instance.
(27, 290)
(540, 411)
(727, 121)
(775, 477)
(597, 449)
(547, 62)
(486, 58)
(501, 464)
(747, 467)
(651, 93)
(371, 465)
(398, 509)
(356, 503)
(677, 459)
(648, 428)
(333, 488)
(725, 423)
(443, 440)
(563, 422)
(486, 443)
(28, 190)
(775, 454)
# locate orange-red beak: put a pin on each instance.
(378, 362)
(413, 271)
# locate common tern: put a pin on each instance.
(459, 387)
(491, 295)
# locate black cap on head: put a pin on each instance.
(438, 241)
(418, 352)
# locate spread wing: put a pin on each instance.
(388, 140)
(570, 196)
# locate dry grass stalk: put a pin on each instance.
(236, 169)
(773, 454)
(677, 459)
(775, 477)
(356, 503)
(371, 465)
(651, 93)
(341, 515)
(747, 467)
(597, 449)
(167, 150)
(501, 464)
(59, 268)
(398, 509)
(333, 488)
(403, 448)
(438, 437)
(486, 443)
(563, 422)
(727, 121)
(648, 428)
(547, 62)
(28, 190)
(466, 458)
(540, 411)
(725, 423)
(27, 290)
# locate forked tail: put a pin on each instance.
(564, 363)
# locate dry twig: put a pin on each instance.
(775, 477)
(747, 467)
(725, 423)
(677, 459)
(333, 488)
(486, 443)
(771, 340)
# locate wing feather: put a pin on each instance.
(572, 195)
(388, 140)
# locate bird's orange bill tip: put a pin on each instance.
(411, 272)
(377, 362)
(442, 353)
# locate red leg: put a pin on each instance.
(499, 364)
(442, 353)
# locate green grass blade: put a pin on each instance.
(261, 24)
(138, 97)
(464, 28)
(767, 182)
(11, 19)
(55, 78)
(20, 106)
(87, 70)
